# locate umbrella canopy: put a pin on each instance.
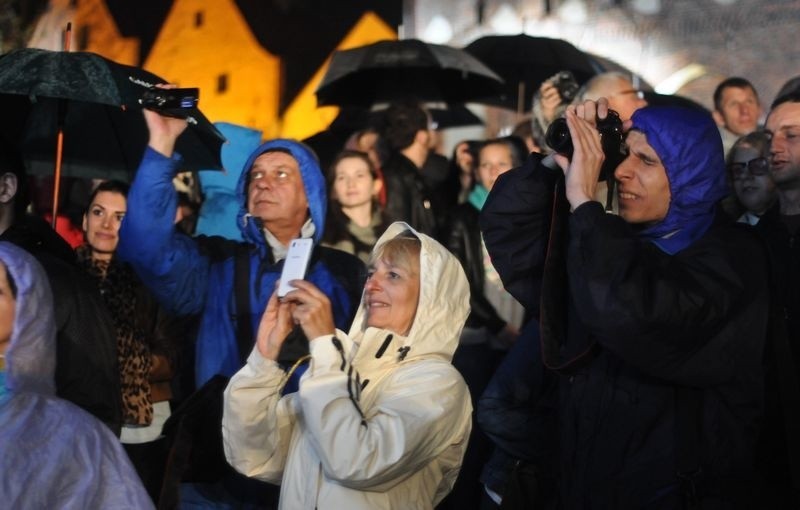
(389, 70)
(95, 102)
(524, 62)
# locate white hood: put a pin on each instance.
(442, 310)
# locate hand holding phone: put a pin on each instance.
(295, 264)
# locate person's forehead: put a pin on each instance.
(495, 148)
(109, 199)
(351, 164)
(275, 159)
(733, 93)
(784, 115)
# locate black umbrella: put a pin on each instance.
(95, 103)
(454, 116)
(524, 62)
(389, 70)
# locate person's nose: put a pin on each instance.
(106, 223)
(624, 171)
(372, 284)
(776, 145)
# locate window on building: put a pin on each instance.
(222, 83)
(198, 19)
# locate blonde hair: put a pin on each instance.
(402, 251)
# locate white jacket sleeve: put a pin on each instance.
(423, 409)
(257, 422)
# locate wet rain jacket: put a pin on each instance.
(53, 454)
(664, 326)
(380, 421)
(196, 275)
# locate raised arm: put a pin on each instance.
(167, 261)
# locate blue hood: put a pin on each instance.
(690, 147)
(313, 181)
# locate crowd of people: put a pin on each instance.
(510, 328)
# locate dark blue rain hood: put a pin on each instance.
(689, 145)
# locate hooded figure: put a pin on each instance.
(381, 419)
(226, 282)
(657, 325)
(52, 453)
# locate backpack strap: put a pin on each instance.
(241, 293)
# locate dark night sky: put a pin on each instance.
(301, 32)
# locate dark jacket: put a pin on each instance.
(199, 275)
(518, 411)
(779, 452)
(87, 372)
(408, 196)
(659, 333)
(464, 241)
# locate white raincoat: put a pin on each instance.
(380, 421)
(53, 454)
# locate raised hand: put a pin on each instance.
(312, 309)
(275, 326)
(164, 130)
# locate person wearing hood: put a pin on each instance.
(659, 319)
(282, 197)
(53, 454)
(381, 419)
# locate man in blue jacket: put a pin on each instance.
(282, 194)
(656, 318)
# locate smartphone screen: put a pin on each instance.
(295, 264)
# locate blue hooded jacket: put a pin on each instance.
(191, 276)
(689, 145)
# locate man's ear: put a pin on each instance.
(8, 187)
(718, 118)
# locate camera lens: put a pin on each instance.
(558, 137)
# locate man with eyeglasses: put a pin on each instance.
(748, 168)
(780, 458)
(623, 97)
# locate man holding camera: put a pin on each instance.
(656, 318)
(282, 197)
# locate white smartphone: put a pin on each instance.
(295, 264)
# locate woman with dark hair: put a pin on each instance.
(355, 220)
(148, 339)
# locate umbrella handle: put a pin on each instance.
(57, 176)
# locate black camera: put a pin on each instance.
(611, 138)
(567, 86)
(170, 101)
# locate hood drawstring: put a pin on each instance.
(353, 394)
(384, 346)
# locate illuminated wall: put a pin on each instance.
(302, 118)
(210, 45)
(93, 29)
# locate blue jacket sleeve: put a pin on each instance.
(167, 261)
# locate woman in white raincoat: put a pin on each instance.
(53, 454)
(381, 419)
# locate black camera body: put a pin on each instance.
(567, 86)
(611, 138)
(170, 101)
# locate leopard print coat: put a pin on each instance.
(118, 285)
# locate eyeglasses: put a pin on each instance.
(639, 93)
(756, 167)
